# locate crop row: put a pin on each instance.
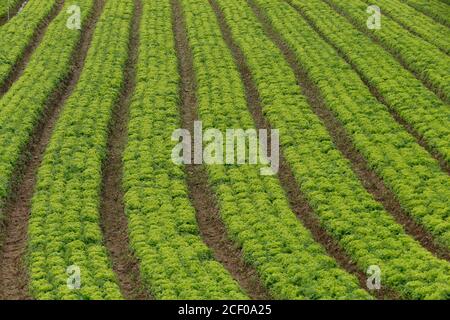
(423, 110)
(174, 261)
(6, 6)
(427, 61)
(25, 102)
(433, 8)
(422, 25)
(360, 224)
(17, 34)
(254, 208)
(422, 189)
(64, 227)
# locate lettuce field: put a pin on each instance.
(97, 98)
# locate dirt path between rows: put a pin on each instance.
(212, 228)
(297, 200)
(422, 78)
(13, 272)
(13, 12)
(370, 180)
(374, 91)
(113, 219)
(22, 63)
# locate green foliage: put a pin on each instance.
(174, 261)
(65, 221)
(64, 227)
(422, 25)
(6, 5)
(22, 106)
(253, 207)
(433, 8)
(425, 112)
(17, 33)
(349, 213)
(427, 61)
(406, 168)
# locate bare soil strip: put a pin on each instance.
(370, 180)
(13, 272)
(212, 228)
(12, 12)
(397, 56)
(39, 33)
(297, 200)
(419, 139)
(114, 220)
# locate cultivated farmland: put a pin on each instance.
(107, 193)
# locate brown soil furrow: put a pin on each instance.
(374, 91)
(297, 200)
(13, 273)
(370, 180)
(12, 12)
(212, 228)
(22, 63)
(430, 86)
(114, 220)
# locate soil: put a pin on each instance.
(370, 180)
(298, 202)
(430, 86)
(113, 218)
(22, 63)
(212, 228)
(13, 271)
(374, 91)
(12, 12)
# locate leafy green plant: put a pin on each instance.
(406, 168)
(346, 210)
(254, 208)
(427, 61)
(433, 8)
(64, 228)
(17, 33)
(419, 107)
(422, 25)
(175, 263)
(6, 6)
(22, 106)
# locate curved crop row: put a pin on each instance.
(409, 171)
(23, 105)
(360, 224)
(254, 207)
(433, 8)
(6, 6)
(174, 261)
(427, 114)
(427, 61)
(17, 34)
(422, 25)
(64, 227)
